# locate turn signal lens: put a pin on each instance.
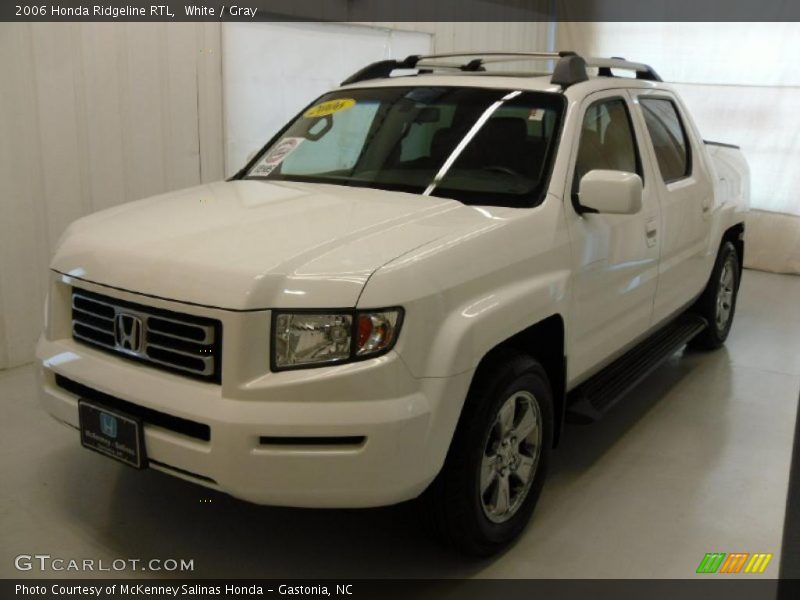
(376, 331)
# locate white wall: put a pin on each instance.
(93, 115)
(96, 114)
(741, 83)
(457, 36)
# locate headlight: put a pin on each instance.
(304, 339)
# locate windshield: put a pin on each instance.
(478, 146)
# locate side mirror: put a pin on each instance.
(611, 192)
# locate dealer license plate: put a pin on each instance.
(110, 432)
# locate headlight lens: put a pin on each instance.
(318, 339)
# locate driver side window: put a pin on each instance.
(606, 140)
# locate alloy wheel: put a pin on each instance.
(510, 456)
(724, 303)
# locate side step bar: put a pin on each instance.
(596, 396)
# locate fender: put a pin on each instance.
(459, 305)
(731, 192)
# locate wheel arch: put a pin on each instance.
(544, 342)
(735, 235)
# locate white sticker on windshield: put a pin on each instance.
(276, 156)
(536, 114)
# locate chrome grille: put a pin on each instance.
(173, 341)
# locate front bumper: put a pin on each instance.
(406, 423)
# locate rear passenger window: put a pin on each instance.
(607, 140)
(669, 138)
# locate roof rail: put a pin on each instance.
(570, 67)
(490, 57)
(604, 66)
(381, 69)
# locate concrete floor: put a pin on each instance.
(695, 460)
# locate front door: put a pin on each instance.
(615, 257)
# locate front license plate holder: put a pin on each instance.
(112, 433)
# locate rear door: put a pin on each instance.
(615, 257)
(686, 197)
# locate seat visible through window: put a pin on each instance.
(606, 140)
(500, 143)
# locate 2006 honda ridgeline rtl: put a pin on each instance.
(405, 293)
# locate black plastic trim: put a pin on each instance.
(149, 416)
(648, 75)
(345, 440)
(383, 68)
(580, 208)
(473, 66)
(593, 398)
(724, 145)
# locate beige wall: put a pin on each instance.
(509, 36)
(97, 114)
(93, 115)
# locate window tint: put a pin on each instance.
(419, 139)
(606, 141)
(402, 138)
(509, 154)
(668, 136)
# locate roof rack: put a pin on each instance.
(570, 67)
(604, 65)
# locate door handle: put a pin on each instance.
(651, 229)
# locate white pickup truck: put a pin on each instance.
(406, 292)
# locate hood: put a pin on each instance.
(253, 244)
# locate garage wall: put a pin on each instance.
(93, 115)
(455, 36)
(742, 85)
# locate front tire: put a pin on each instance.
(497, 462)
(718, 303)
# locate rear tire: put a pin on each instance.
(497, 462)
(718, 303)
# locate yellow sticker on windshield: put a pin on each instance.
(328, 108)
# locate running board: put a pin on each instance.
(596, 396)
